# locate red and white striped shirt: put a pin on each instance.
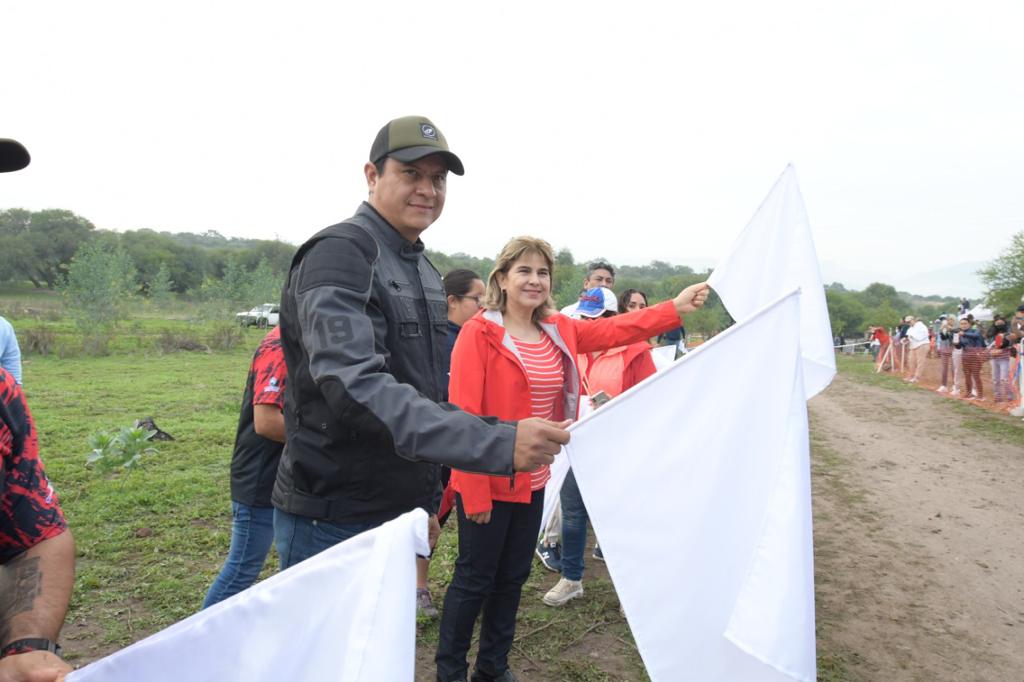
(546, 375)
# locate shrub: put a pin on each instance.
(37, 340)
(225, 335)
(171, 342)
(98, 291)
(161, 288)
(239, 289)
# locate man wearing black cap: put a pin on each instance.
(37, 552)
(364, 330)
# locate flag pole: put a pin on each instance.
(885, 355)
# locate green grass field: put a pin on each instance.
(150, 541)
(147, 540)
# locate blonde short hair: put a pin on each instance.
(516, 248)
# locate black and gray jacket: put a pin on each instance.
(364, 328)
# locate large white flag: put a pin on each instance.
(703, 506)
(348, 613)
(775, 254)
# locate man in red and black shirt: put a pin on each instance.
(258, 446)
(37, 553)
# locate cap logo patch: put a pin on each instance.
(428, 131)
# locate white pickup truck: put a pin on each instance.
(262, 316)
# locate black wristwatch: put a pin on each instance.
(20, 646)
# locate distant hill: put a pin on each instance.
(955, 280)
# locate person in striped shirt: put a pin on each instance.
(514, 360)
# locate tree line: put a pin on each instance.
(38, 246)
(224, 273)
(852, 312)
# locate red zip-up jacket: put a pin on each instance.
(617, 369)
(488, 378)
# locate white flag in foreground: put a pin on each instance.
(348, 613)
(712, 560)
(773, 255)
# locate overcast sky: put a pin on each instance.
(630, 130)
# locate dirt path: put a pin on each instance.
(919, 539)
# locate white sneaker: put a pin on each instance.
(955, 393)
(973, 395)
(942, 389)
(563, 591)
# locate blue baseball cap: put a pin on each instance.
(596, 302)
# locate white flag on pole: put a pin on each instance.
(775, 254)
(712, 558)
(726, 592)
(348, 613)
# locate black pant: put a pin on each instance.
(494, 563)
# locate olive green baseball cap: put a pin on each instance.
(411, 138)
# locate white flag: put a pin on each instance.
(348, 613)
(711, 556)
(663, 356)
(773, 255)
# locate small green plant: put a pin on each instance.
(122, 449)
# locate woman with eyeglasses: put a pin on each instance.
(465, 291)
(514, 360)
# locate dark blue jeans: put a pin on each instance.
(252, 531)
(494, 563)
(574, 529)
(299, 537)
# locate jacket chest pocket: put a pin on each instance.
(437, 309)
(405, 304)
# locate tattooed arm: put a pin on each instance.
(37, 553)
(35, 588)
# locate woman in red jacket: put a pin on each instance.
(514, 360)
